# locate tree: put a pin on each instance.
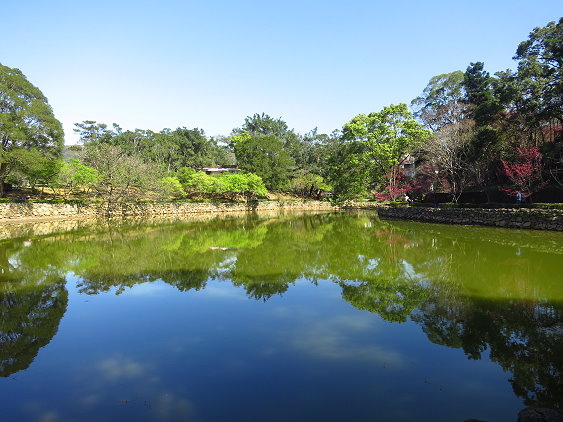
(225, 185)
(441, 102)
(31, 167)
(379, 144)
(265, 156)
(350, 170)
(26, 121)
(248, 185)
(448, 153)
(171, 187)
(540, 73)
(309, 185)
(121, 177)
(525, 173)
(397, 187)
(293, 143)
(168, 149)
(75, 177)
(486, 110)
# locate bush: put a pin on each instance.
(172, 187)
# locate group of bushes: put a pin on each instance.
(228, 186)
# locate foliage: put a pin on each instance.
(75, 177)
(121, 177)
(223, 185)
(377, 143)
(26, 121)
(265, 156)
(31, 167)
(309, 184)
(398, 185)
(168, 149)
(540, 73)
(525, 174)
(171, 187)
(441, 102)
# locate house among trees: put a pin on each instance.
(219, 169)
(408, 165)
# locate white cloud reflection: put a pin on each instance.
(170, 407)
(335, 339)
(120, 367)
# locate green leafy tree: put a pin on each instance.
(442, 101)
(265, 156)
(309, 185)
(378, 143)
(75, 177)
(540, 73)
(31, 167)
(172, 187)
(91, 131)
(168, 149)
(26, 121)
(485, 107)
(293, 143)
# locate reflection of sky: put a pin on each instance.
(155, 354)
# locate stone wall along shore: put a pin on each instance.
(35, 210)
(524, 218)
(519, 218)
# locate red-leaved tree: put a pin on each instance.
(398, 185)
(525, 173)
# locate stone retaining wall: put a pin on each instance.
(33, 210)
(521, 218)
(525, 218)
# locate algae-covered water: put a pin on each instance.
(311, 317)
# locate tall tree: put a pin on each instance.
(263, 124)
(442, 101)
(265, 156)
(26, 121)
(540, 72)
(380, 143)
(486, 110)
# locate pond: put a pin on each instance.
(305, 317)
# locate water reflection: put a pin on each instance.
(487, 291)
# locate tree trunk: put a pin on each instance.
(3, 174)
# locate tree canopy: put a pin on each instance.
(26, 121)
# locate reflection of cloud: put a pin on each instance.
(148, 288)
(224, 290)
(169, 407)
(49, 416)
(90, 400)
(120, 367)
(38, 411)
(332, 339)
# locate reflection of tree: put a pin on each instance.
(29, 318)
(525, 338)
(392, 301)
(464, 289)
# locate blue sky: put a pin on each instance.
(208, 64)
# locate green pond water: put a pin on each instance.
(306, 317)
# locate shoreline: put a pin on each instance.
(519, 218)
